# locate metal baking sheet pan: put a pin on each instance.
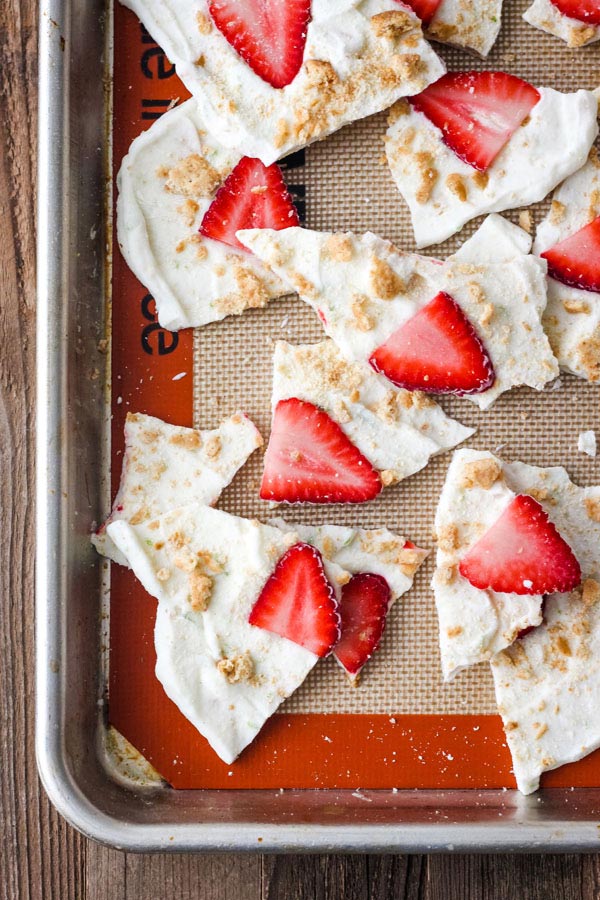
(105, 730)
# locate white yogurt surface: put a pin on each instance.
(501, 289)
(544, 15)
(365, 72)
(553, 143)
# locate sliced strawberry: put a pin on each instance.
(269, 35)
(363, 608)
(587, 11)
(252, 196)
(309, 459)
(424, 9)
(477, 112)
(522, 553)
(576, 260)
(437, 351)
(298, 602)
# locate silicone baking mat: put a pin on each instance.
(402, 727)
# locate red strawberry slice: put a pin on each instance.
(309, 459)
(363, 608)
(587, 11)
(437, 351)
(477, 112)
(576, 260)
(252, 196)
(269, 35)
(522, 553)
(298, 602)
(424, 9)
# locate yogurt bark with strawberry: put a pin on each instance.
(271, 77)
(481, 142)
(569, 240)
(182, 196)
(474, 25)
(381, 567)
(547, 682)
(165, 466)
(506, 535)
(577, 22)
(394, 432)
(245, 611)
(470, 325)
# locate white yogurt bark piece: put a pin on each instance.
(165, 466)
(398, 431)
(474, 624)
(207, 569)
(544, 15)
(363, 288)
(572, 317)
(166, 184)
(354, 65)
(474, 25)
(443, 192)
(547, 684)
(358, 550)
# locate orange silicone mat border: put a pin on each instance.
(152, 372)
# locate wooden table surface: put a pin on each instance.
(41, 856)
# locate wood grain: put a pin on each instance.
(40, 856)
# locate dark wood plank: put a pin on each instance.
(315, 878)
(41, 857)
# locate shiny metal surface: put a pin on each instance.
(70, 691)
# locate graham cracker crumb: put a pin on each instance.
(186, 561)
(487, 315)
(191, 440)
(592, 508)
(188, 209)
(557, 212)
(213, 446)
(456, 186)
(540, 730)
(384, 281)
(441, 31)
(193, 177)
(511, 726)
(200, 586)
(481, 473)
(282, 133)
(580, 36)
(480, 180)
(525, 220)
(447, 574)
(588, 352)
(428, 175)
(140, 516)
(448, 538)
(399, 109)
(388, 476)
(237, 668)
(392, 24)
(163, 574)
(320, 72)
(204, 23)
(454, 631)
(339, 248)
(251, 293)
(178, 539)
(573, 305)
(476, 292)
(362, 321)
(590, 592)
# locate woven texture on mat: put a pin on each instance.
(347, 187)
